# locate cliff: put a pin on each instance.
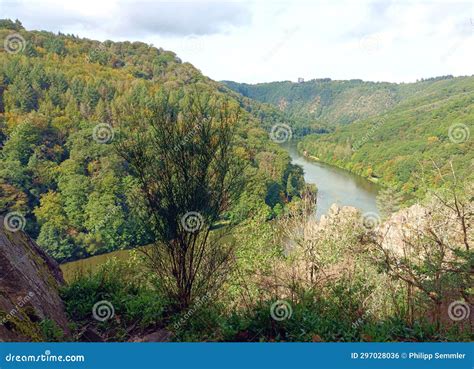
(29, 283)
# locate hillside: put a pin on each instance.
(62, 102)
(384, 131)
(107, 146)
(323, 102)
(411, 146)
(328, 103)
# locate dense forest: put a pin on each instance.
(121, 150)
(328, 103)
(404, 136)
(61, 103)
(322, 103)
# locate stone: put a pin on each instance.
(161, 335)
(403, 223)
(29, 288)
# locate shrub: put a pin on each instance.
(132, 294)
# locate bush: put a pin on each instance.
(50, 331)
(132, 294)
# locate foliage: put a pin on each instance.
(434, 257)
(389, 201)
(410, 146)
(132, 293)
(51, 332)
(321, 104)
(321, 269)
(76, 193)
(171, 139)
(187, 191)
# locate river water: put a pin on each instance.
(336, 186)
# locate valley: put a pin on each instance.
(404, 136)
(335, 185)
(192, 210)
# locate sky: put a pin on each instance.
(264, 41)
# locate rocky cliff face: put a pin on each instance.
(401, 226)
(29, 282)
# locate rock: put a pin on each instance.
(29, 282)
(401, 225)
(90, 335)
(161, 335)
(337, 214)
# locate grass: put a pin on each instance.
(91, 265)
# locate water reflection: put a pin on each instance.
(336, 185)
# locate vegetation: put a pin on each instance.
(320, 104)
(110, 146)
(293, 286)
(324, 103)
(410, 147)
(188, 190)
(128, 287)
(63, 102)
(395, 130)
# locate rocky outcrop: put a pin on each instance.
(29, 282)
(336, 214)
(402, 225)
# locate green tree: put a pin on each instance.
(55, 45)
(21, 96)
(54, 236)
(389, 201)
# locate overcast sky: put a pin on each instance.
(262, 41)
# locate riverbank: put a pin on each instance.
(335, 185)
(305, 154)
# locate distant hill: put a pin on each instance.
(324, 102)
(384, 131)
(411, 146)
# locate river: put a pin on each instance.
(336, 186)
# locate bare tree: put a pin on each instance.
(433, 253)
(181, 152)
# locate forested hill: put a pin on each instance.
(323, 102)
(327, 103)
(62, 99)
(405, 136)
(412, 146)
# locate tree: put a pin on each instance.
(434, 258)
(9, 24)
(54, 236)
(389, 201)
(188, 181)
(55, 45)
(295, 181)
(21, 96)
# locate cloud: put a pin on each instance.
(181, 18)
(124, 18)
(390, 16)
(256, 41)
